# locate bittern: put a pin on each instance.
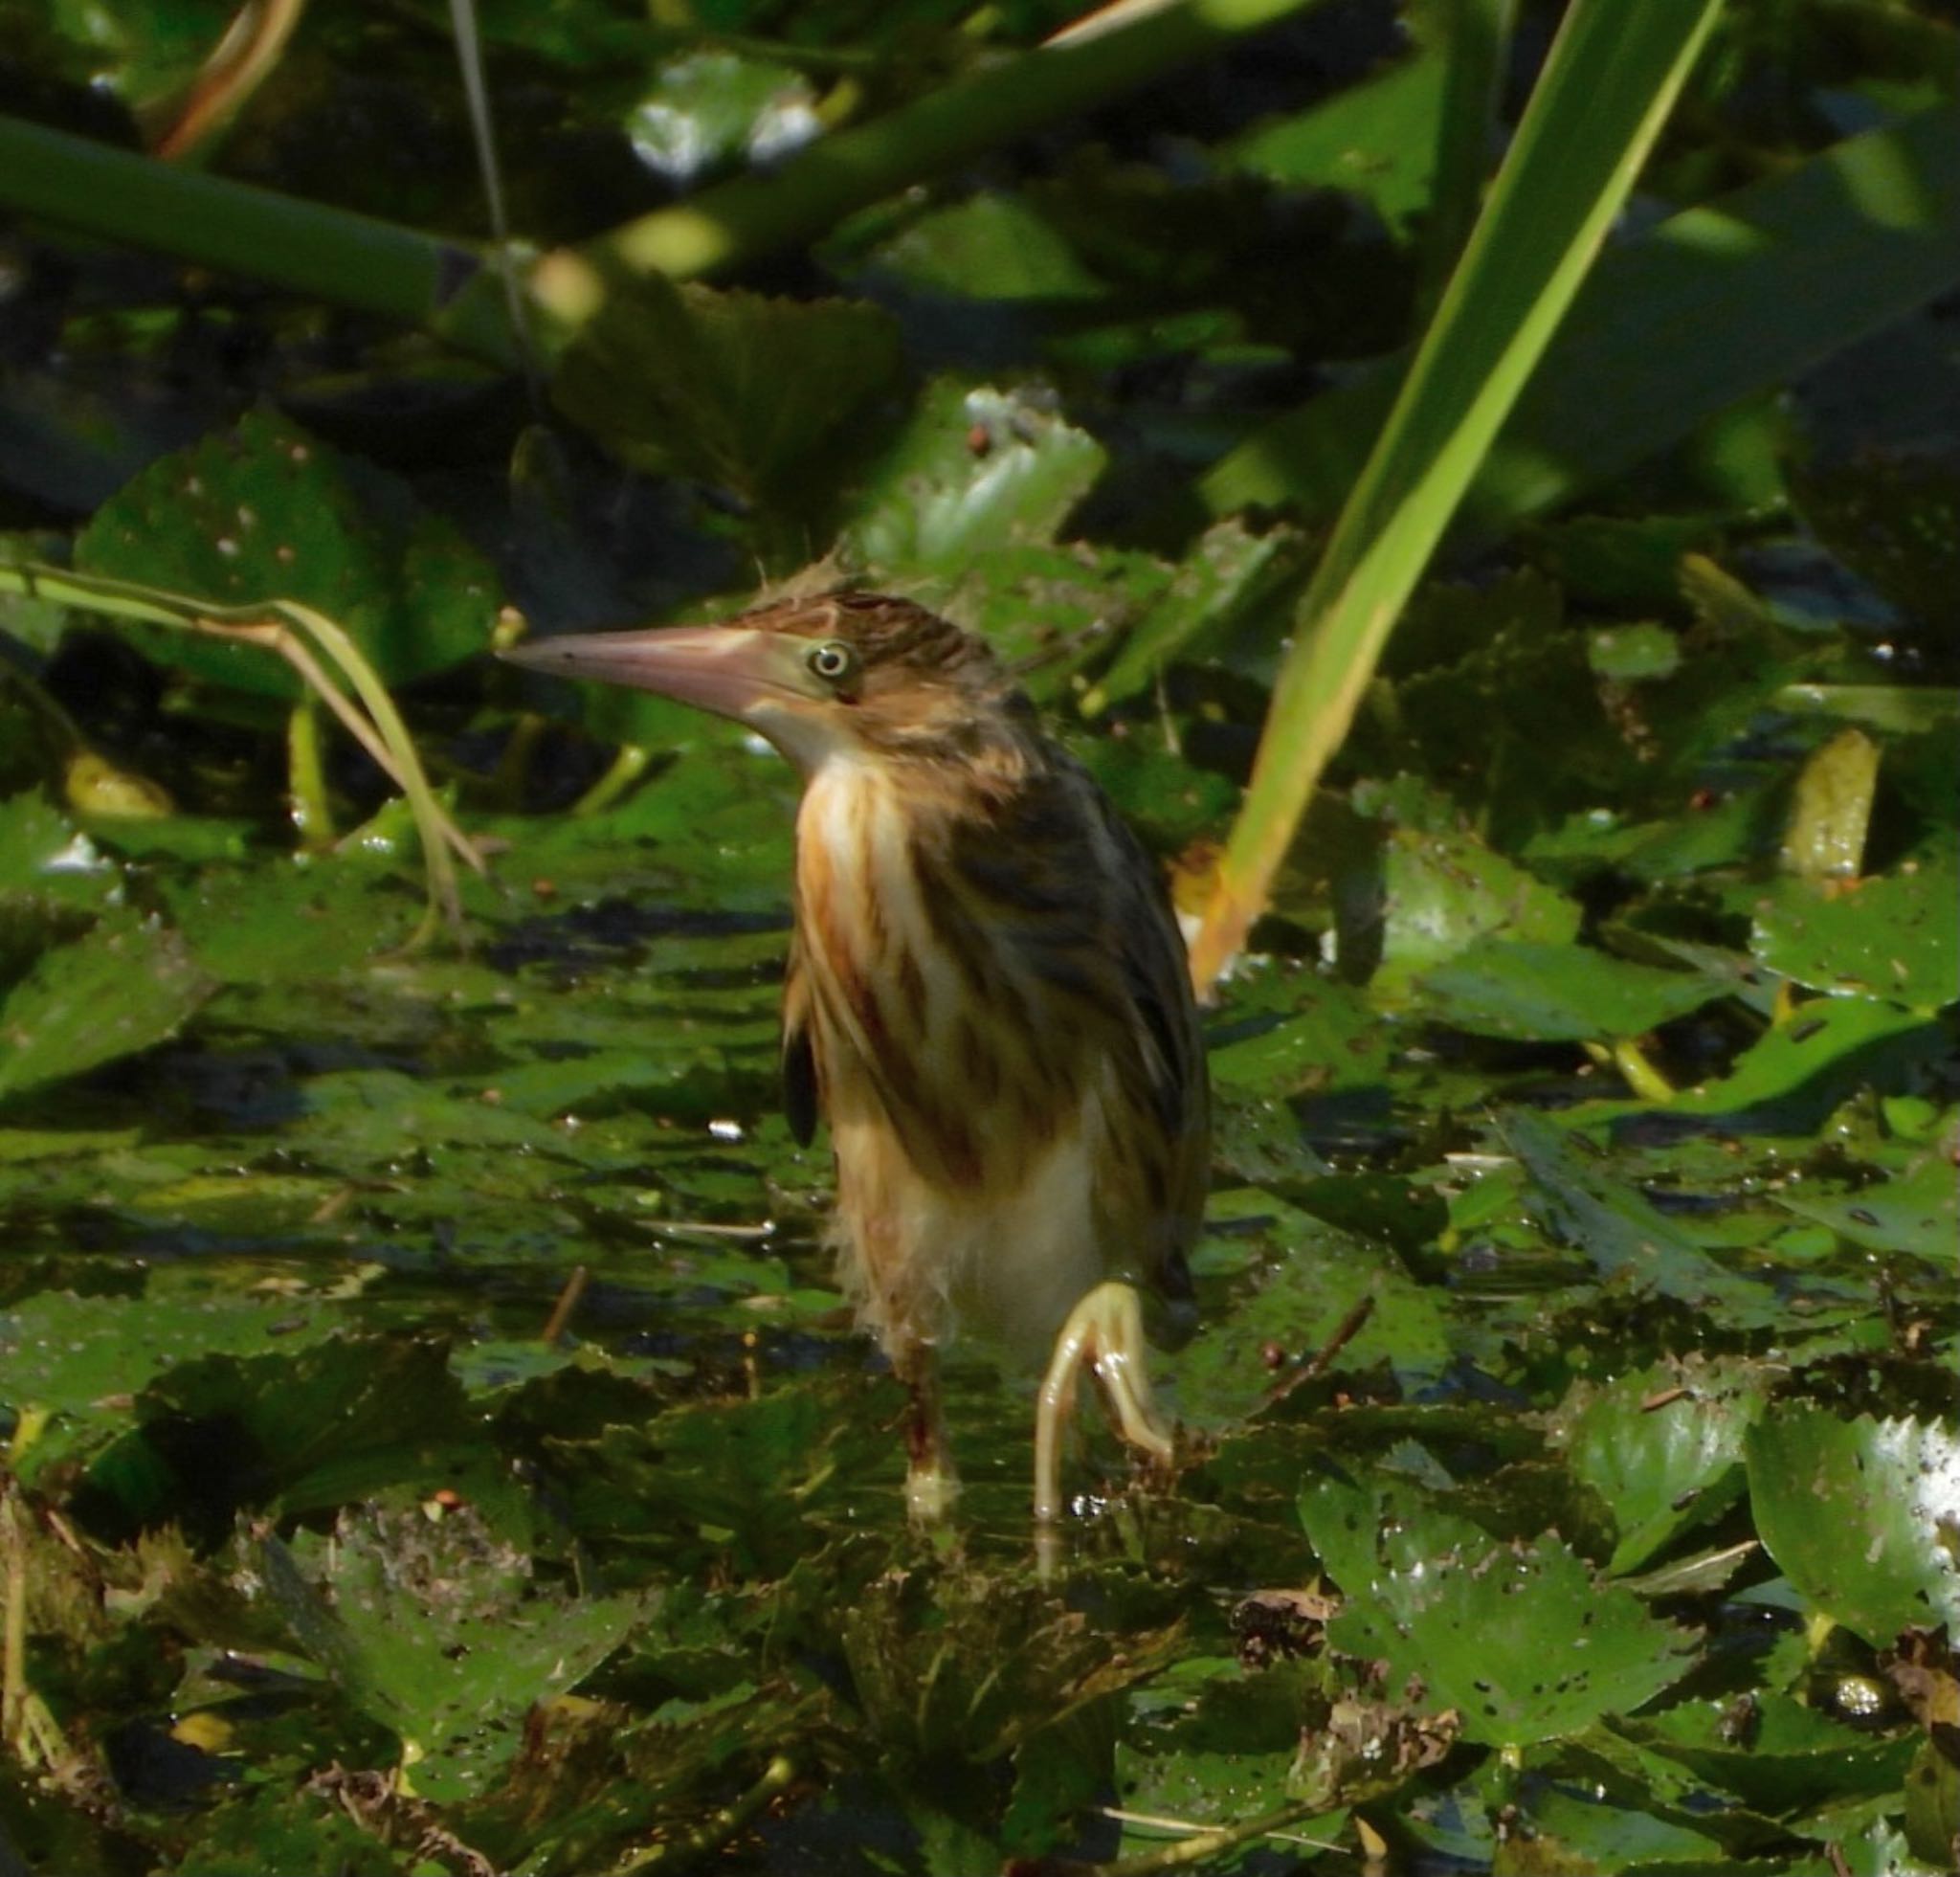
(987, 1000)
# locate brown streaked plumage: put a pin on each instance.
(986, 997)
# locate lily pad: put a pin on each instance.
(1442, 891)
(1864, 1516)
(434, 1627)
(269, 512)
(124, 986)
(1611, 1221)
(1663, 1449)
(1893, 936)
(1814, 1059)
(1558, 993)
(727, 386)
(1521, 1638)
(1916, 1215)
(977, 470)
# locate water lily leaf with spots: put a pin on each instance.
(1864, 1516)
(1440, 891)
(1611, 1221)
(729, 387)
(977, 470)
(1311, 1275)
(334, 1422)
(435, 1628)
(77, 1359)
(1557, 993)
(1796, 1071)
(1521, 1638)
(1892, 936)
(267, 512)
(126, 984)
(1916, 1213)
(296, 920)
(1663, 1448)
(1797, 1756)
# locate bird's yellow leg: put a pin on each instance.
(1105, 1333)
(931, 1483)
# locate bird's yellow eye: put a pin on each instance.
(833, 662)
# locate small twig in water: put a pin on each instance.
(560, 1319)
(1345, 1333)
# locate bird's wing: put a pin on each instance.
(1168, 1055)
(799, 1052)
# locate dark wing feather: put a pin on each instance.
(1170, 1045)
(799, 1052)
(1055, 876)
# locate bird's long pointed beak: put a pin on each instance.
(725, 669)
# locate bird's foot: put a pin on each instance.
(1105, 1333)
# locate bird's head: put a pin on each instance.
(854, 675)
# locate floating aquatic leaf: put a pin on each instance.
(1916, 1215)
(1442, 892)
(1611, 1221)
(269, 512)
(124, 985)
(1864, 1516)
(1557, 993)
(1893, 936)
(1663, 1448)
(975, 471)
(1520, 1639)
(434, 1628)
(732, 388)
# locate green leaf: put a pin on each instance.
(1608, 84)
(1443, 894)
(125, 985)
(269, 512)
(1818, 1057)
(1229, 579)
(79, 1359)
(288, 921)
(700, 111)
(1312, 1276)
(1771, 278)
(1663, 1449)
(1916, 1213)
(329, 1423)
(1893, 936)
(434, 1627)
(729, 387)
(1557, 993)
(1611, 1221)
(1862, 1516)
(989, 247)
(975, 471)
(1375, 140)
(1521, 1638)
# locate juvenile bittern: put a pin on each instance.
(987, 1000)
